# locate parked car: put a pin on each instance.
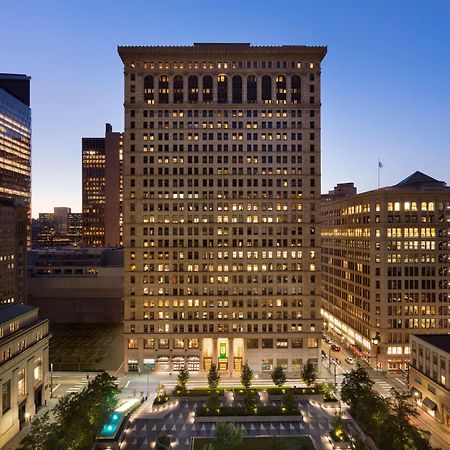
(350, 360)
(335, 348)
(337, 361)
(328, 340)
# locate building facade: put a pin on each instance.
(15, 185)
(77, 285)
(60, 228)
(101, 189)
(24, 380)
(385, 268)
(221, 192)
(429, 374)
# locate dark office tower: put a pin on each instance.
(15, 185)
(102, 162)
(221, 198)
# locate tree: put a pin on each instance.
(213, 401)
(328, 390)
(278, 376)
(78, 418)
(308, 373)
(356, 385)
(183, 379)
(246, 375)
(228, 435)
(289, 402)
(250, 400)
(208, 447)
(213, 377)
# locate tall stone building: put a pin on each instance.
(385, 268)
(102, 189)
(221, 192)
(15, 185)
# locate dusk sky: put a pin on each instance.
(385, 79)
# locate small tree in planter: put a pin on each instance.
(308, 373)
(213, 377)
(228, 435)
(183, 379)
(251, 400)
(246, 375)
(328, 391)
(289, 402)
(213, 401)
(163, 442)
(278, 376)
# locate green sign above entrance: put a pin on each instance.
(222, 350)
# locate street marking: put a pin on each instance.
(126, 385)
(400, 381)
(56, 387)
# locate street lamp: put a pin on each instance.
(376, 341)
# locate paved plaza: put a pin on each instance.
(179, 422)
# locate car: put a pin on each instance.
(335, 348)
(337, 361)
(350, 360)
(328, 340)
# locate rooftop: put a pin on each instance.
(10, 312)
(440, 341)
(419, 180)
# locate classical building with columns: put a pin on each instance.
(221, 198)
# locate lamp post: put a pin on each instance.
(51, 380)
(376, 341)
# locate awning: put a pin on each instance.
(416, 393)
(429, 403)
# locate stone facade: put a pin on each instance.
(221, 192)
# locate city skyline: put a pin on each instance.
(378, 99)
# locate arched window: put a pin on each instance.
(266, 84)
(163, 96)
(281, 89)
(178, 89)
(296, 96)
(222, 89)
(237, 89)
(207, 89)
(149, 90)
(251, 89)
(193, 89)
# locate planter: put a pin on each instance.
(245, 419)
(338, 444)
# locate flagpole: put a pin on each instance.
(379, 173)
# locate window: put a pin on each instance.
(149, 343)
(296, 89)
(266, 89)
(37, 372)
(192, 89)
(281, 89)
(6, 396)
(149, 90)
(222, 89)
(267, 343)
(178, 89)
(313, 343)
(282, 343)
(251, 89)
(163, 94)
(132, 343)
(237, 89)
(252, 343)
(297, 343)
(207, 89)
(21, 383)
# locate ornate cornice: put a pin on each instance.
(209, 50)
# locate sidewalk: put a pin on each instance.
(15, 441)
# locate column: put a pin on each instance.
(244, 88)
(170, 89)
(214, 77)
(288, 89)
(200, 89)
(258, 89)
(231, 355)
(215, 358)
(156, 88)
(185, 89)
(229, 89)
(274, 90)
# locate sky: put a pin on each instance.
(385, 79)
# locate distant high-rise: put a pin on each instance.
(221, 196)
(15, 185)
(385, 268)
(102, 198)
(60, 228)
